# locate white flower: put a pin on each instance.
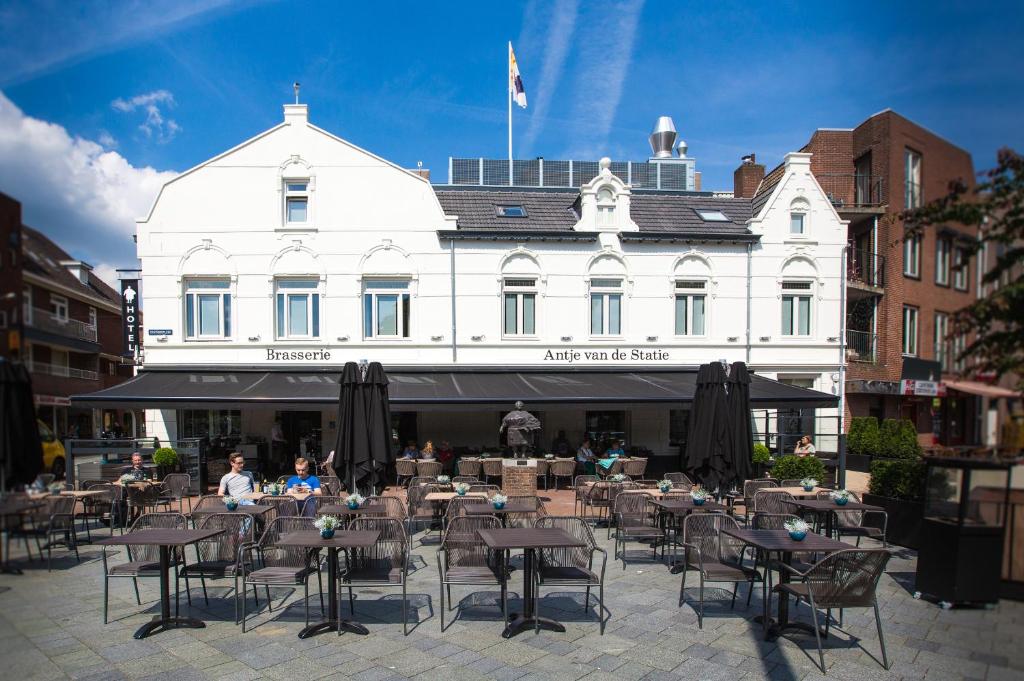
(796, 525)
(126, 479)
(462, 487)
(839, 494)
(326, 522)
(443, 479)
(699, 493)
(230, 500)
(355, 498)
(619, 477)
(499, 499)
(809, 482)
(665, 483)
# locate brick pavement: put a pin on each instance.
(51, 627)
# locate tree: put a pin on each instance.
(993, 323)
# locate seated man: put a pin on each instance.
(136, 470)
(302, 482)
(238, 482)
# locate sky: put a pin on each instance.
(103, 102)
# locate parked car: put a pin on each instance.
(54, 459)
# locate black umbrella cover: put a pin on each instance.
(740, 430)
(707, 443)
(380, 452)
(21, 452)
(351, 423)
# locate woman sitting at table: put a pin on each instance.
(302, 482)
(427, 453)
(585, 457)
(804, 446)
(613, 452)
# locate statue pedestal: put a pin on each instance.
(519, 476)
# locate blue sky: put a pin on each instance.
(101, 104)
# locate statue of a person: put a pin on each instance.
(519, 424)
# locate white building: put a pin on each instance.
(272, 264)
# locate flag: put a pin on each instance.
(515, 81)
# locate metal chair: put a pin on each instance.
(144, 561)
(471, 479)
(750, 487)
(635, 468)
(851, 523)
(527, 519)
(420, 510)
(176, 487)
(100, 507)
(456, 509)
(331, 485)
(464, 559)
(790, 482)
(580, 485)
(385, 565)
(562, 468)
(141, 499)
(543, 466)
(219, 557)
(571, 566)
(429, 469)
(844, 579)
(469, 468)
(55, 525)
(716, 557)
(266, 564)
(405, 468)
(489, 490)
(491, 469)
(88, 483)
(767, 501)
(394, 507)
(313, 504)
(679, 479)
(633, 520)
(284, 506)
(596, 497)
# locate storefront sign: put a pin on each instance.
(129, 317)
(159, 332)
(923, 388)
(51, 401)
(322, 355)
(574, 356)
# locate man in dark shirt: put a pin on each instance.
(136, 470)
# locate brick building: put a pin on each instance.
(10, 275)
(900, 294)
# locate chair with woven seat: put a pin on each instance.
(581, 487)
(715, 556)
(769, 501)
(331, 485)
(635, 468)
(284, 506)
(176, 487)
(614, 490)
(596, 499)
(543, 467)
(54, 524)
(142, 499)
(489, 490)
(457, 509)
(851, 523)
(429, 469)
(491, 469)
(100, 507)
(526, 519)
(679, 479)
(468, 479)
(313, 504)
(750, 488)
(791, 482)
(634, 521)
(562, 468)
(464, 560)
(218, 557)
(384, 565)
(394, 507)
(405, 469)
(469, 468)
(419, 509)
(266, 564)
(144, 561)
(844, 579)
(571, 566)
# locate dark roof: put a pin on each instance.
(550, 210)
(43, 257)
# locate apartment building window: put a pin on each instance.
(690, 308)
(59, 307)
(796, 308)
(387, 306)
(207, 309)
(297, 308)
(912, 256)
(3, 319)
(911, 179)
(296, 201)
(959, 343)
(961, 269)
(942, 248)
(909, 330)
(520, 302)
(862, 187)
(605, 307)
(92, 317)
(59, 362)
(941, 343)
(26, 304)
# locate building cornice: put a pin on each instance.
(50, 285)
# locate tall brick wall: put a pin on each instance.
(520, 480)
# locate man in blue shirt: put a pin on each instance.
(302, 482)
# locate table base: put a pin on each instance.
(520, 623)
(8, 570)
(775, 629)
(164, 623)
(333, 625)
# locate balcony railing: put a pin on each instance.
(852, 190)
(861, 346)
(865, 267)
(45, 320)
(61, 370)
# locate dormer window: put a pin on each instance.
(798, 214)
(296, 201)
(712, 215)
(510, 211)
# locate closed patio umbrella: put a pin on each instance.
(363, 450)
(21, 452)
(741, 433)
(707, 443)
(351, 424)
(381, 453)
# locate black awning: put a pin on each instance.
(427, 389)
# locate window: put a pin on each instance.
(59, 362)
(605, 208)
(690, 308)
(796, 223)
(296, 201)
(942, 247)
(912, 256)
(862, 181)
(520, 300)
(510, 211)
(911, 179)
(796, 308)
(3, 319)
(297, 308)
(92, 317)
(712, 215)
(26, 304)
(111, 368)
(959, 343)
(941, 344)
(59, 307)
(386, 309)
(200, 423)
(207, 309)
(909, 330)
(961, 269)
(605, 307)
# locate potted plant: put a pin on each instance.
(797, 529)
(354, 500)
(792, 467)
(499, 501)
(897, 486)
(275, 489)
(664, 486)
(327, 524)
(840, 496)
(231, 503)
(699, 496)
(443, 479)
(618, 477)
(461, 488)
(761, 459)
(809, 484)
(166, 460)
(549, 456)
(862, 443)
(126, 479)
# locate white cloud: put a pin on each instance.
(107, 273)
(107, 140)
(155, 126)
(81, 195)
(561, 25)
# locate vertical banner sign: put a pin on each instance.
(129, 317)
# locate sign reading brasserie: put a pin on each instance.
(129, 317)
(573, 356)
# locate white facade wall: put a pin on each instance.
(225, 219)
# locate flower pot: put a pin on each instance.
(797, 536)
(327, 534)
(664, 490)
(499, 504)
(353, 505)
(699, 502)
(808, 488)
(232, 506)
(461, 492)
(841, 501)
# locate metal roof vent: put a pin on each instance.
(681, 148)
(663, 137)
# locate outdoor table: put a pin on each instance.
(298, 497)
(502, 513)
(779, 541)
(676, 506)
(13, 507)
(796, 492)
(448, 496)
(828, 508)
(343, 509)
(254, 510)
(342, 539)
(166, 539)
(528, 539)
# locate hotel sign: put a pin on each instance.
(922, 388)
(129, 317)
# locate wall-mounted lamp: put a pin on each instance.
(652, 339)
(161, 339)
(732, 339)
(478, 338)
(833, 339)
(254, 339)
(437, 338)
(835, 377)
(566, 339)
(765, 339)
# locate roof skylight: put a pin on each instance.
(712, 215)
(511, 211)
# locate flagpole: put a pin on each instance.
(508, 78)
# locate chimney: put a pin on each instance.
(747, 177)
(663, 137)
(78, 268)
(296, 114)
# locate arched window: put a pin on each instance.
(605, 208)
(799, 212)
